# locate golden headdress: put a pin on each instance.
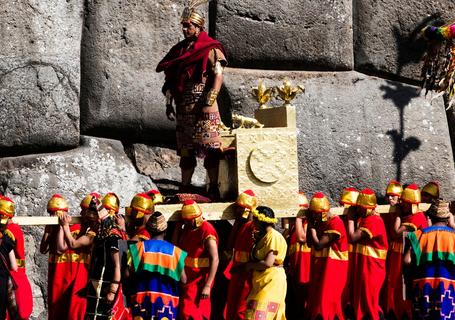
(191, 14)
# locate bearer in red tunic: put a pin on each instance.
(241, 239)
(67, 268)
(139, 211)
(199, 239)
(393, 195)
(370, 252)
(23, 294)
(299, 262)
(411, 218)
(329, 260)
(348, 200)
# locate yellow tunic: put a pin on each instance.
(266, 299)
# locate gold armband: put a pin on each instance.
(218, 67)
(211, 97)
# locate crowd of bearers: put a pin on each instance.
(334, 267)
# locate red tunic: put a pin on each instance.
(299, 258)
(197, 265)
(329, 270)
(240, 284)
(370, 267)
(23, 295)
(394, 301)
(67, 278)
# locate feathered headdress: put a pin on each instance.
(191, 14)
(439, 63)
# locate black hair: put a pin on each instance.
(268, 212)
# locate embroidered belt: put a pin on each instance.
(297, 247)
(332, 254)
(197, 262)
(69, 257)
(371, 252)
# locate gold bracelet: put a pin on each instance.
(211, 97)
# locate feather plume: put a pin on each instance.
(196, 3)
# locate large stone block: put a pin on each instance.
(123, 41)
(98, 165)
(356, 130)
(386, 34)
(39, 75)
(296, 34)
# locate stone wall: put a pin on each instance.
(73, 69)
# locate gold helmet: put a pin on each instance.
(303, 205)
(56, 205)
(431, 189)
(111, 202)
(156, 196)
(303, 201)
(394, 188)
(6, 208)
(191, 211)
(247, 200)
(85, 203)
(349, 197)
(320, 204)
(143, 204)
(411, 194)
(190, 14)
(367, 200)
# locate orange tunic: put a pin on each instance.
(329, 271)
(197, 265)
(395, 301)
(370, 267)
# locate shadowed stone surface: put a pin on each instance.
(39, 75)
(356, 130)
(290, 35)
(99, 165)
(386, 34)
(162, 166)
(123, 41)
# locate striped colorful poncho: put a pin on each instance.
(434, 274)
(158, 266)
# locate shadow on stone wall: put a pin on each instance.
(401, 96)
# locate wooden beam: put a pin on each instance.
(211, 211)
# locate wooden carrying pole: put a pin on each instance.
(211, 211)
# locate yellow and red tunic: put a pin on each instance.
(394, 301)
(67, 278)
(329, 271)
(197, 264)
(267, 296)
(370, 255)
(240, 283)
(14, 232)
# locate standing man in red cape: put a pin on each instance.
(194, 75)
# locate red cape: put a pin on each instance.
(180, 64)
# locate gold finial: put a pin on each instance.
(287, 93)
(262, 94)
